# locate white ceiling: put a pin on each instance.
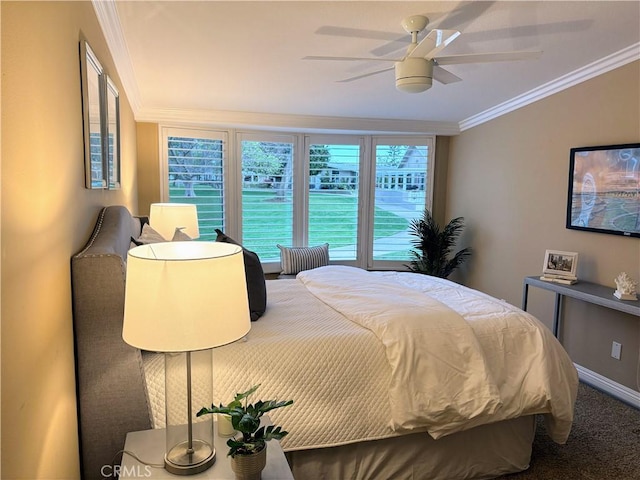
(207, 61)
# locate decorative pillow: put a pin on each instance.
(256, 285)
(148, 235)
(296, 259)
(180, 236)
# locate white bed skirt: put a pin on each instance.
(483, 452)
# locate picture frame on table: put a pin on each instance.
(560, 267)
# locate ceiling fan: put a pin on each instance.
(421, 64)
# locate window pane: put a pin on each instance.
(400, 189)
(334, 172)
(267, 204)
(196, 177)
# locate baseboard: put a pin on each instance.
(622, 393)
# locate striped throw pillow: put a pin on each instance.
(297, 259)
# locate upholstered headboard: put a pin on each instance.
(109, 375)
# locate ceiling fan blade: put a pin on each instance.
(487, 57)
(357, 32)
(351, 79)
(433, 43)
(534, 31)
(444, 76)
(392, 46)
(463, 15)
(324, 57)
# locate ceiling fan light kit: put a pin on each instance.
(414, 75)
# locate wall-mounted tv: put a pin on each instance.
(604, 189)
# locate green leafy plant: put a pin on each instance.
(245, 418)
(433, 246)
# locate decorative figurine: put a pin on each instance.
(626, 287)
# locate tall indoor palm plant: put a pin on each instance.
(432, 246)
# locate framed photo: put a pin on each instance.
(560, 264)
(112, 139)
(92, 78)
(101, 121)
(604, 189)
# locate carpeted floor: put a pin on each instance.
(604, 443)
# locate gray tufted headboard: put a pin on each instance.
(109, 375)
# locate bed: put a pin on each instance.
(393, 375)
(440, 360)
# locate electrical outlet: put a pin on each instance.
(616, 350)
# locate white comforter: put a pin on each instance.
(356, 372)
(439, 377)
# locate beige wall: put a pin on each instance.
(148, 166)
(508, 178)
(47, 215)
(440, 180)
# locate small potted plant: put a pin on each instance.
(249, 452)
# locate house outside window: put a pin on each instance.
(357, 193)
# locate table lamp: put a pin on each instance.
(164, 218)
(184, 298)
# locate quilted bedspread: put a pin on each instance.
(355, 375)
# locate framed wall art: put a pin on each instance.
(113, 134)
(101, 123)
(91, 72)
(604, 189)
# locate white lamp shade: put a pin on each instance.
(164, 218)
(185, 296)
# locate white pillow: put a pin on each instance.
(180, 236)
(149, 235)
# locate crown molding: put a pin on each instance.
(106, 11)
(107, 14)
(604, 65)
(304, 123)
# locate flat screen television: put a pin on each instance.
(604, 189)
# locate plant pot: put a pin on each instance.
(249, 467)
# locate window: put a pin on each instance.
(193, 173)
(334, 187)
(357, 193)
(267, 193)
(402, 179)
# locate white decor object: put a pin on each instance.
(626, 287)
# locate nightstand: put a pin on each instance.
(149, 446)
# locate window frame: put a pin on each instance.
(385, 140)
(338, 139)
(203, 133)
(235, 209)
(232, 174)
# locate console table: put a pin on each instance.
(585, 291)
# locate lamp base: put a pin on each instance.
(179, 462)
